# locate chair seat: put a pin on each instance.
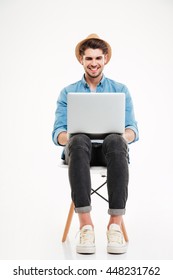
(102, 170)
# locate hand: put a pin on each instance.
(63, 138)
(129, 135)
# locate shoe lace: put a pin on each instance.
(115, 236)
(86, 236)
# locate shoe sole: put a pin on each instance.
(84, 250)
(114, 250)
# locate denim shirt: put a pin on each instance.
(105, 85)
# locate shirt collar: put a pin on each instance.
(86, 85)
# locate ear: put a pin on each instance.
(105, 58)
(81, 59)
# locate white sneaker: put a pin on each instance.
(86, 244)
(116, 243)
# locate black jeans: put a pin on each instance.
(80, 154)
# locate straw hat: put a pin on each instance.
(92, 36)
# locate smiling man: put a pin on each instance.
(93, 62)
(80, 152)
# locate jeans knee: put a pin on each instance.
(115, 142)
(80, 141)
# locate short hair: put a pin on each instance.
(93, 44)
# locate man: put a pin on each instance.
(80, 153)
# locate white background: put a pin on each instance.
(37, 41)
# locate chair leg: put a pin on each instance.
(68, 222)
(123, 228)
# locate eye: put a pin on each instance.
(99, 58)
(88, 58)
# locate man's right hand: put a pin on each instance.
(63, 138)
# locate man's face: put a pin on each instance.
(93, 62)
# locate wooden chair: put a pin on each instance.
(94, 170)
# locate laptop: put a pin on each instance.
(95, 114)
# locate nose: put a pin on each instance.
(93, 63)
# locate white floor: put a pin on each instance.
(35, 202)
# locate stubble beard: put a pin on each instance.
(94, 76)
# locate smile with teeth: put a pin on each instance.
(94, 69)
